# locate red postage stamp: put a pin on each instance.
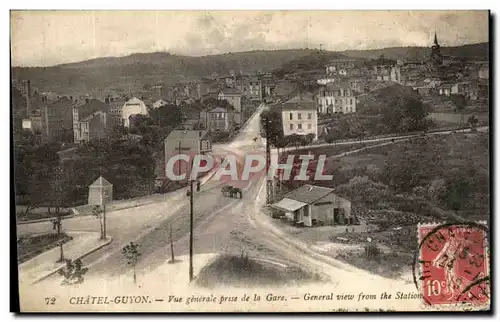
(453, 264)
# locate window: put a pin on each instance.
(309, 126)
(299, 126)
(291, 126)
(309, 116)
(291, 116)
(351, 101)
(299, 116)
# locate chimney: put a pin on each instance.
(28, 98)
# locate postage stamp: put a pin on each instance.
(452, 266)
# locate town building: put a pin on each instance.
(312, 205)
(463, 88)
(252, 88)
(387, 72)
(234, 98)
(90, 121)
(436, 58)
(336, 97)
(267, 85)
(115, 109)
(190, 142)
(133, 106)
(218, 119)
(340, 67)
(159, 103)
(57, 120)
(300, 116)
(484, 72)
(284, 88)
(445, 89)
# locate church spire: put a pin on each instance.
(435, 39)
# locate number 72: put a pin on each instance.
(50, 300)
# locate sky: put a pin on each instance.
(46, 38)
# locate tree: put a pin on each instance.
(118, 131)
(73, 272)
(172, 260)
(271, 120)
(460, 102)
(472, 121)
(58, 195)
(132, 255)
(97, 212)
(34, 167)
(309, 138)
(281, 143)
(167, 116)
(59, 188)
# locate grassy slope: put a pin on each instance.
(393, 214)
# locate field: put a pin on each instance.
(444, 119)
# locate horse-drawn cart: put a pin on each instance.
(233, 192)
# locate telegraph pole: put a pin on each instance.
(190, 193)
(269, 182)
(191, 206)
(179, 160)
(104, 213)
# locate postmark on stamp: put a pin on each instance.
(452, 264)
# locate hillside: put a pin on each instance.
(121, 74)
(115, 73)
(476, 51)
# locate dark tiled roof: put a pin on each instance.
(61, 102)
(308, 193)
(299, 102)
(230, 91)
(90, 107)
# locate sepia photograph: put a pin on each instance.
(250, 161)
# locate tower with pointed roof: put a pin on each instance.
(436, 58)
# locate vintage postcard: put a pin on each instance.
(251, 161)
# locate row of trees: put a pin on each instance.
(42, 180)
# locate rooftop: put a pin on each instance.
(302, 101)
(134, 101)
(219, 110)
(230, 91)
(186, 134)
(308, 193)
(101, 182)
(90, 107)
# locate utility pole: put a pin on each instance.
(269, 182)
(191, 206)
(191, 215)
(104, 213)
(190, 194)
(179, 166)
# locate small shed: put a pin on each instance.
(100, 192)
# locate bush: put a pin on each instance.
(372, 251)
